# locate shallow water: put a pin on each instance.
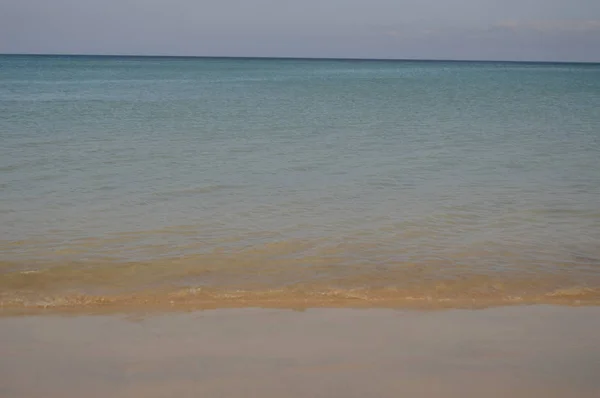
(430, 180)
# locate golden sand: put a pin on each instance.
(520, 352)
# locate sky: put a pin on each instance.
(520, 30)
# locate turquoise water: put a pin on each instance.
(326, 168)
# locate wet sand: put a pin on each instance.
(527, 351)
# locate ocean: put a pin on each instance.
(259, 182)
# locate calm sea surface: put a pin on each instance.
(376, 180)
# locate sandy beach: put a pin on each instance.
(528, 351)
(292, 227)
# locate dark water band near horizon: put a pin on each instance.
(210, 182)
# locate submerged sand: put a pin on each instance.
(292, 275)
(526, 351)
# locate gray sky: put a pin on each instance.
(546, 30)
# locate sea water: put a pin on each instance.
(428, 179)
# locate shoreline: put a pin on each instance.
(102, 305)
(202, 299)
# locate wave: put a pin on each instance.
(254, 280)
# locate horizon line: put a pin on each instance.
(294, 58)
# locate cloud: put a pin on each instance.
(587, 29)
(521, 40)
(410, 31)
(549, 26)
